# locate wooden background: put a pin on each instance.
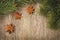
(30, 27)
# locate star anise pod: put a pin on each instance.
(9, 28)
(17, 15)
(30, 9)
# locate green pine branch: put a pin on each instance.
(8, 5)
(51, 9)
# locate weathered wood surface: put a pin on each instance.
(30, 27)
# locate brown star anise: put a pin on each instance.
(9, 28)
(30, 9)
(17, 15)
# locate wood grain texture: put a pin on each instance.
(30, 27)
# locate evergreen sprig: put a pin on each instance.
(8, 5)
(51, 9)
